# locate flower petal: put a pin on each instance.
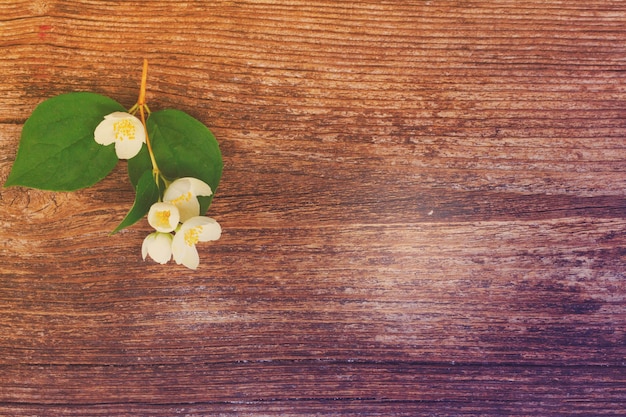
(126, 149)
(161, 248)
(104, 132)
(188, 206)
(185, 253)
(158, 246)
(146, 244)
(163, 216)
(191, 259)
(199, 187)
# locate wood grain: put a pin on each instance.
(423, 207)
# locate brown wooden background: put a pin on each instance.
(423, 206)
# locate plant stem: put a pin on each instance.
(143, 107)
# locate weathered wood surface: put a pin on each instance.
(423, 206)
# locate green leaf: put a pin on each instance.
(183, 147)
(139, 164)
(57, 149)
(147, 193)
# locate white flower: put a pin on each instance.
(164, 217)
(158, 246)
(197, 229)
(183, 193)
(123, 129)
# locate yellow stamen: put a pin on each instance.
(192, 235)
(124, 129)
(184, 197)
(163, 218)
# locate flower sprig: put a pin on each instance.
(74, 140)
(179, 213)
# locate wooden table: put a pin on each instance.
(423, 206)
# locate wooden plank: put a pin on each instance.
(310, 381)
(376, 292)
